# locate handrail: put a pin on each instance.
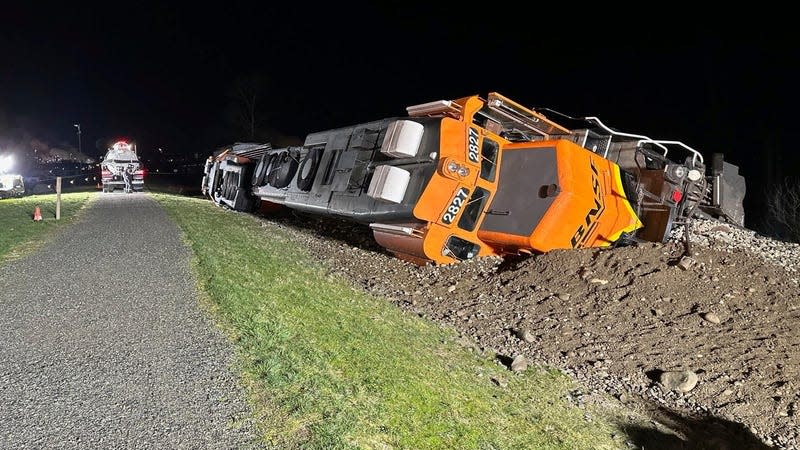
(619, 133)
(695, 153)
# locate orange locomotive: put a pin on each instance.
(475, 177)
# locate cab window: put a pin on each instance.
(489, 150)
(469, 218)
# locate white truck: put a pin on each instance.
(11, 185)
(121, 168)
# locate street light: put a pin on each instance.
(6, 162)
(78, 126)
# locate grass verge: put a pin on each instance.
(329, 366)
(19, 234)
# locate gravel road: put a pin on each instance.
(103, 345)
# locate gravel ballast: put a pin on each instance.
(103, 343)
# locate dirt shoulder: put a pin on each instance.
(615, 319)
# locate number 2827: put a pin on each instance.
(455, 206)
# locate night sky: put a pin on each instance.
(160, 74)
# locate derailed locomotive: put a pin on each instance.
(457, 179)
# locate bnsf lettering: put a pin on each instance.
(590, 221)
(455, 206)
(472, 146)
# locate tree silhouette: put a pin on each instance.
(246, 96)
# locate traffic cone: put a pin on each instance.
(37, 214)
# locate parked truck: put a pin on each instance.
(121, 168)
(11, 185)
(457, 179)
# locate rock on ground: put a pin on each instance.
(681, 381)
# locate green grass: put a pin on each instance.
(19, 234)
(328, 366)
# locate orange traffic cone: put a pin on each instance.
(37, 214)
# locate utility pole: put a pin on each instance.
(78, 126)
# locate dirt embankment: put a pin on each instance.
(616, 319)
